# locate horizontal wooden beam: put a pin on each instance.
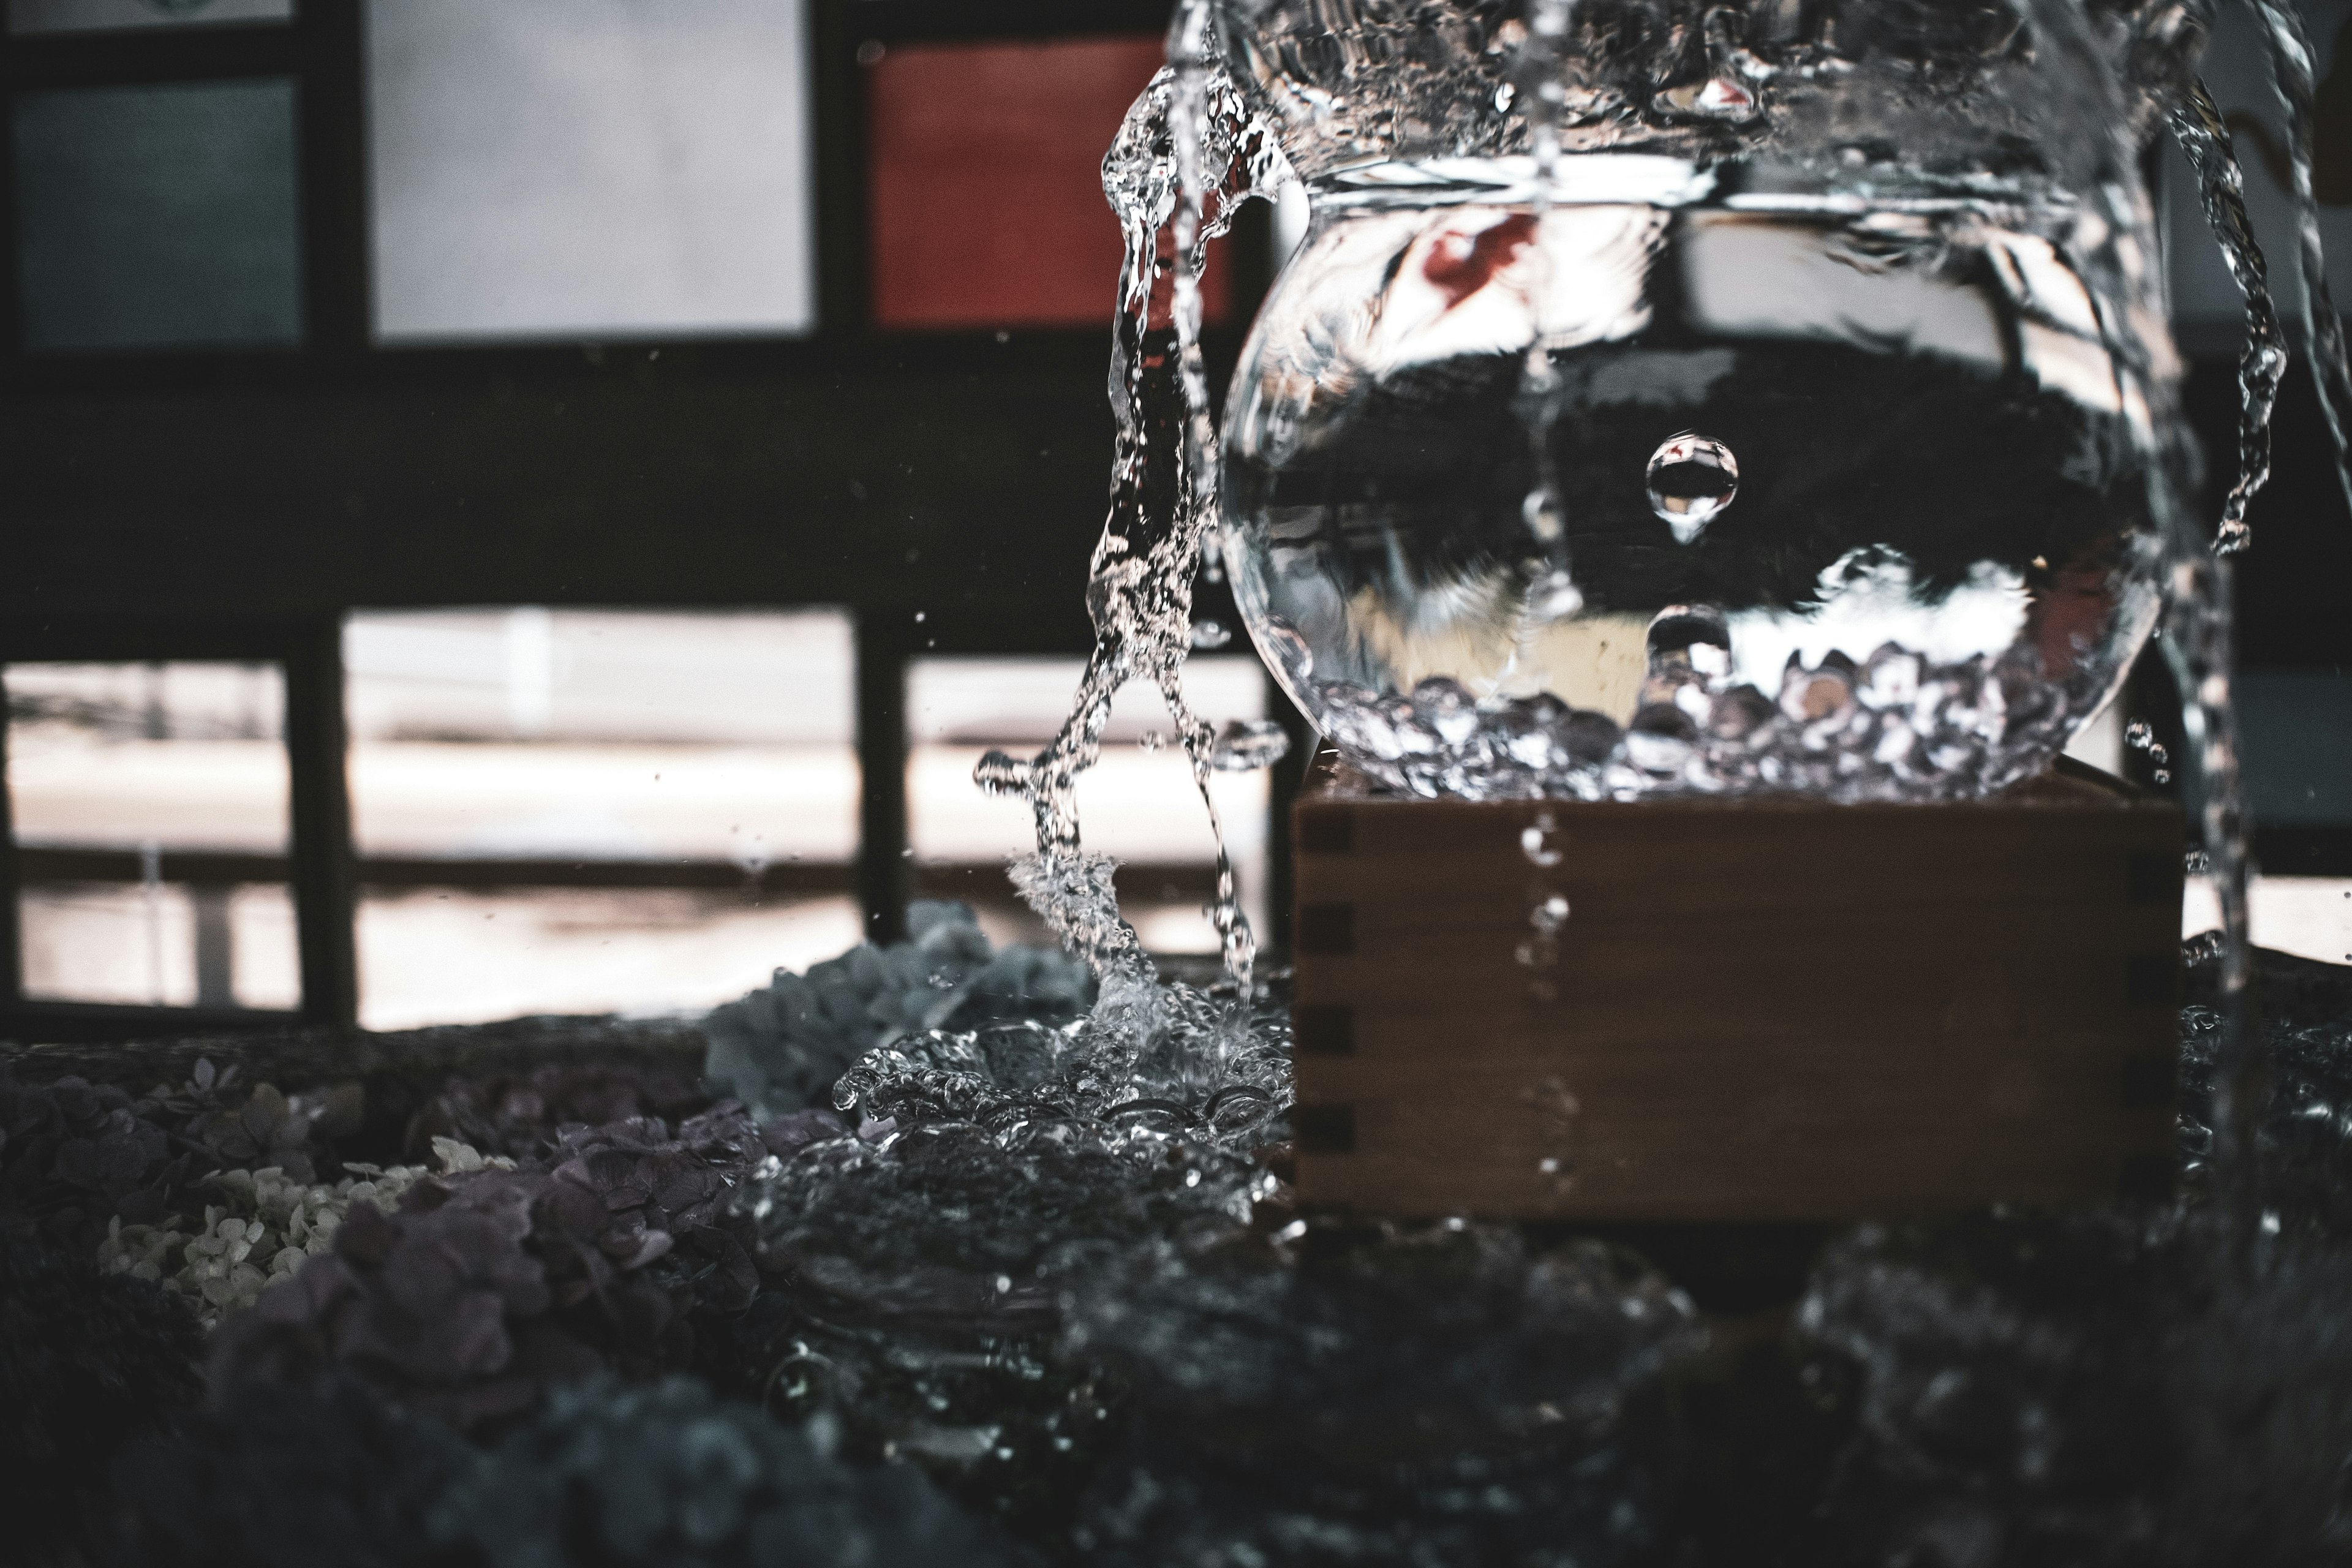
(216, 868)
(973, 498)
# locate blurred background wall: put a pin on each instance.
(515, 506)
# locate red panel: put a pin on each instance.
(986, 181)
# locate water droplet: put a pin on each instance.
(2137, 734)
(1211, 635)
(1537, 843)
(1151, 740)
(1250, 743)
(1692, 479)
(1550, 915)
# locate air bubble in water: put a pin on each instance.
(1541, 950)
(1536, 841)
(1554, 596)
(1250, 743)
(1692, 477)
(1285, 650)
(1690, 637)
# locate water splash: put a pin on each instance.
(2204, 141)
(2323, 330)
(1187, 158)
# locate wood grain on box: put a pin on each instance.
(1759, 1010)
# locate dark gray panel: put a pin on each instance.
(2296, 730)
(95, 16)
(159, 216)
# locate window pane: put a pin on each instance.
(1137, 803)
(90, 15)
(149, 806)
(159, 216)
(986, 181)
(589, 168)
(689, 783)
(464, 955)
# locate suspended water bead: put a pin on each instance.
(1691, 478)
(1536, 841)
(1151, 740)
(1208, 635)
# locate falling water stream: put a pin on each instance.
(2291, 58)
(1184, 163)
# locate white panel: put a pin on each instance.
(590, 169)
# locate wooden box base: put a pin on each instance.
(1757, 1010)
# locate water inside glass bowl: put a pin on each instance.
(1853, 486)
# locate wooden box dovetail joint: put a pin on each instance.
(1764, 1010)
